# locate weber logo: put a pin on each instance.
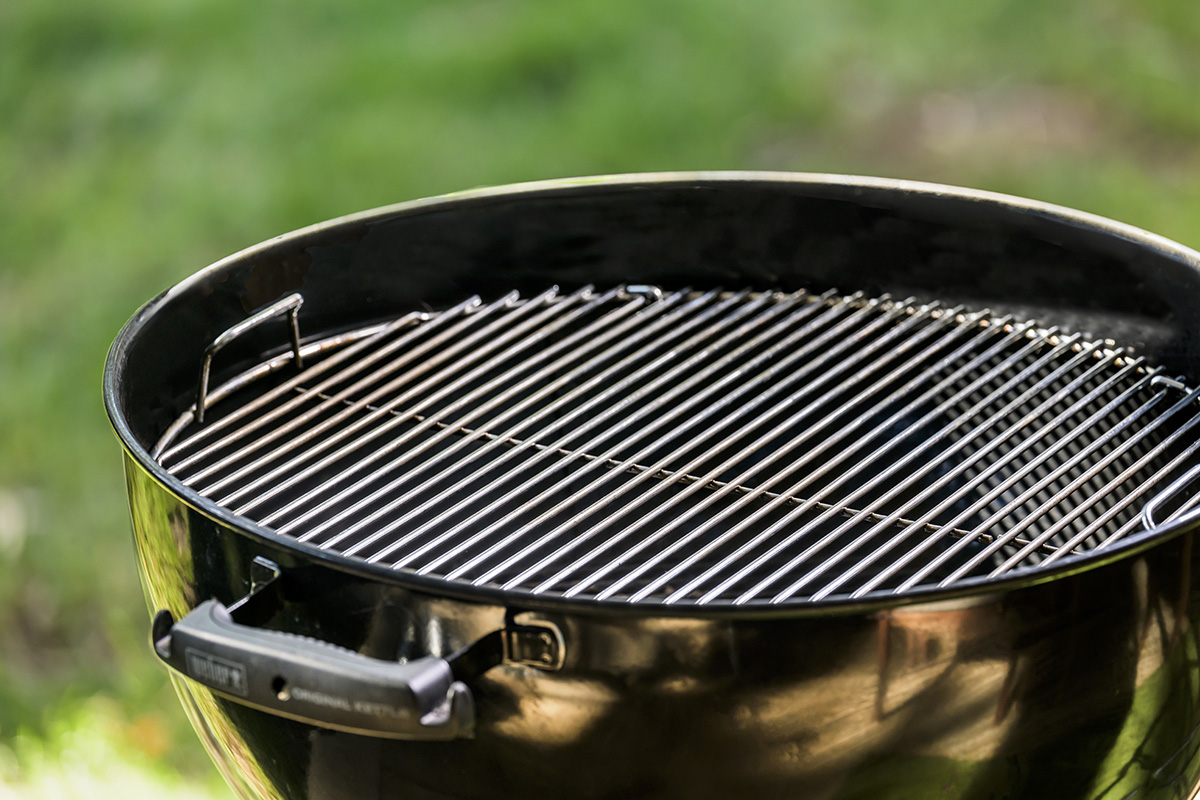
(225, 676)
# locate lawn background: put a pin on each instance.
(141, 140)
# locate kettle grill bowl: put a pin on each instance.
(1078, 681)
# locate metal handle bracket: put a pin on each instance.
(534, 643)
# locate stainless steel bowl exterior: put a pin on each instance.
(1085, 686)
(1081, 682)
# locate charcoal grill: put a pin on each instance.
(754, 484)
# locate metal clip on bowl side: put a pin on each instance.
(290, 304)
(1190, 518)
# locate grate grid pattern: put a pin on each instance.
(698, 447)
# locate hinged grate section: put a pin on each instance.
(697, 447)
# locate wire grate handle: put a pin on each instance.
(289, 305)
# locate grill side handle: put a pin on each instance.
(313, 681)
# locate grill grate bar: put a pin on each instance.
(608, 328)
(343, 346)
(677, 520)
(686, 478)
(1035, 438)
(646, 333)
(725, 571)
(1059, 472)
(978, 350)
(909, 460)
(195, 442)
(498, 345)
(810, 407)
(775, 379)
(611, 423)
(697, 447)
(1159, 477)
(470, 317)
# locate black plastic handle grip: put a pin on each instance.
(314, 681)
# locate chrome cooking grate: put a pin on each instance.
(696, 447)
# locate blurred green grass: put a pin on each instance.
(142, 140)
